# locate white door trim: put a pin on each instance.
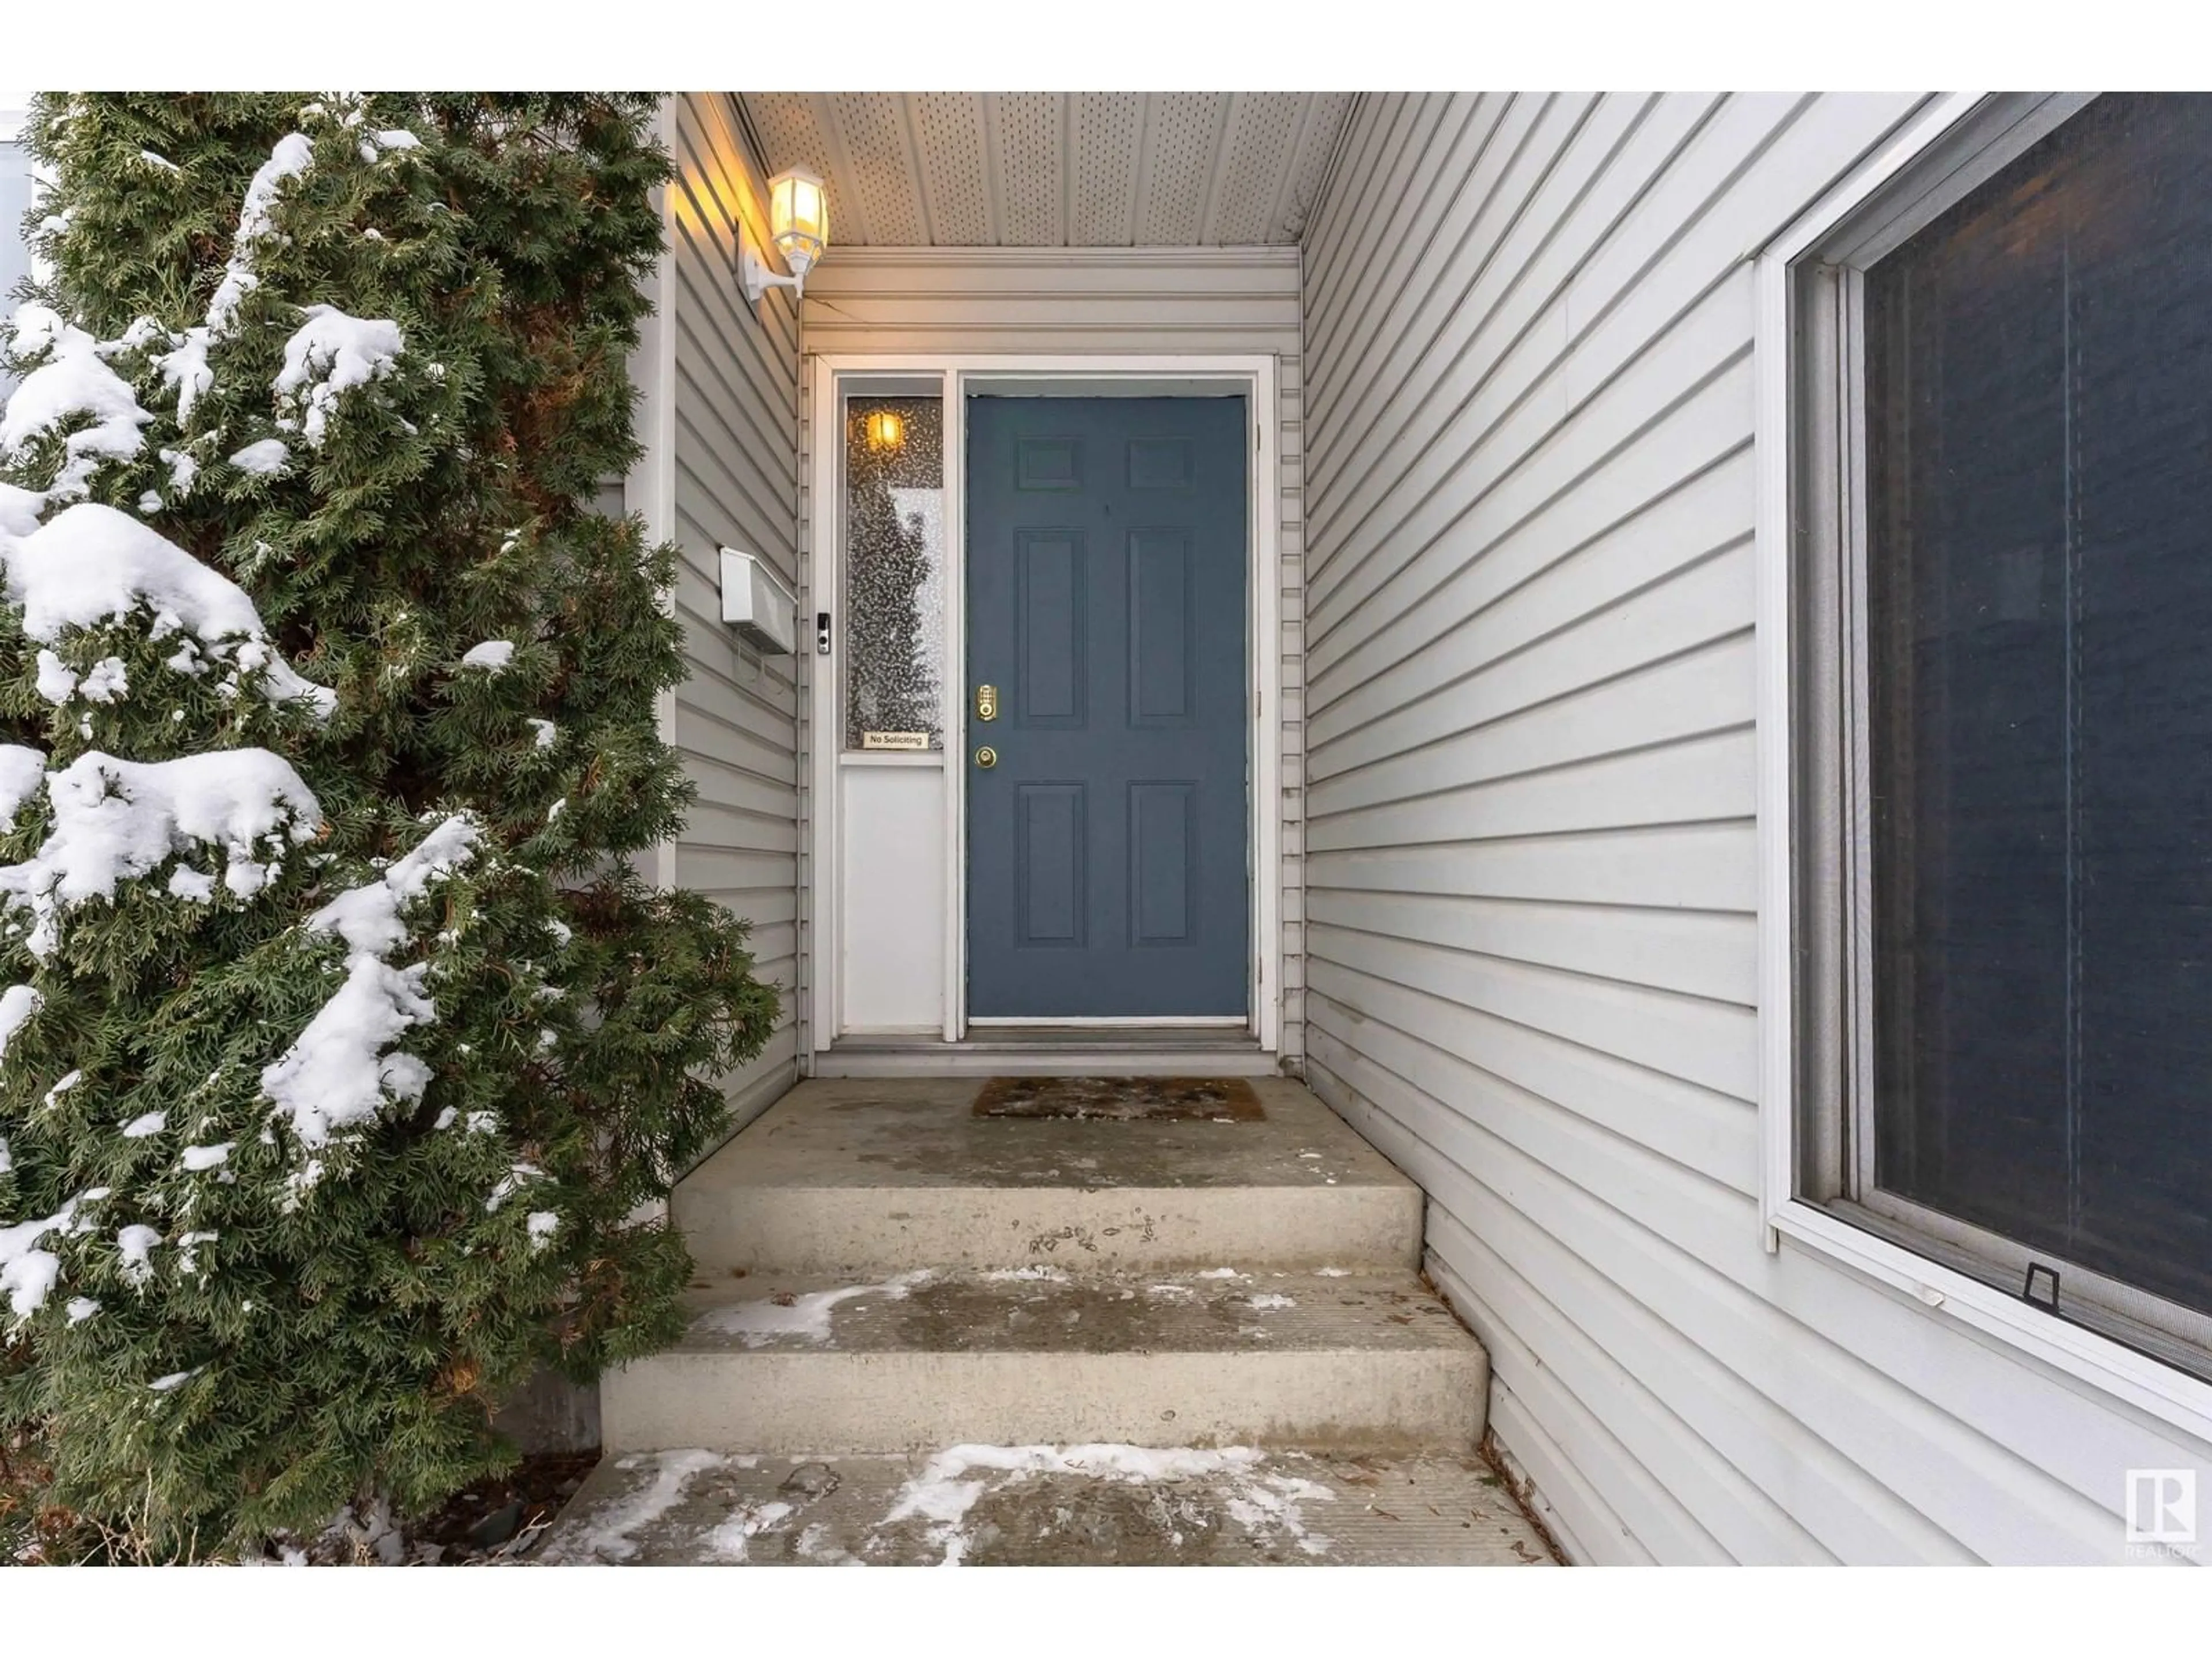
(1258, 374)
(649, 487)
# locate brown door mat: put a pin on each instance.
(1123, 1099)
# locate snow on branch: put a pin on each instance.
(265, 457)
(376, 146)
(73, 380)
(513, 1182)
(330, 354)
(256, 221)
(93, 565)
(28, 1273)
(345, 1067)
(367, 918)
(19, 510)
(17, 1003)
(186, 367)
(135, 1246)
(117, 819)
(23, 774)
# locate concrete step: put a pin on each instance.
(1044, 1505)
(846, 1175)
(1236, 1355)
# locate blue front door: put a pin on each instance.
(1107, 865)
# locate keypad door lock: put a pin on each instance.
(987, 702)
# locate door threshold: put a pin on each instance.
(1052, 1051)
(982, 1026)
(1021, 1037)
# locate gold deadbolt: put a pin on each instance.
(986, 758)
(987, 702)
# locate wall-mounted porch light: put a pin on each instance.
(885, 428)
(798, 223)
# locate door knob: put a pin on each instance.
(986, 758)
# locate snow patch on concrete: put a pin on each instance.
(800, 1318)
(1265, 1503)
(609, 1533)
(728, 1541)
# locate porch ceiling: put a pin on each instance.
(1057, 169)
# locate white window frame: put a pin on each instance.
(1799, 408)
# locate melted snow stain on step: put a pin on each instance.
(1081, 1504)
(1048, 1309)
(1227, 1355)
(874, 1180)
(923, 1134)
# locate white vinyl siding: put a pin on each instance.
(735, 442)
(1531, 850)
(1142, 302)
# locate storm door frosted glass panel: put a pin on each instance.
(894, 620)
(2039, 408)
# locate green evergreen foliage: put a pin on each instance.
(441, 1104)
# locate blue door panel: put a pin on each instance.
(1162, 881)
(1049, 869)
(1162, 651)
(1048, 591)
(1106, 602)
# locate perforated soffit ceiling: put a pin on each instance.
(1057, 169)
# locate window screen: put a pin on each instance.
(2039, 652)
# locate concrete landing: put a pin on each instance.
(845, 1175)
(1230, 1355)
(1044, 1505)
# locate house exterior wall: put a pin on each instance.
(1532, 863)
(723, 433)
(1103, 301)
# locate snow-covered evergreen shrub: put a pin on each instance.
(340, 1041)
